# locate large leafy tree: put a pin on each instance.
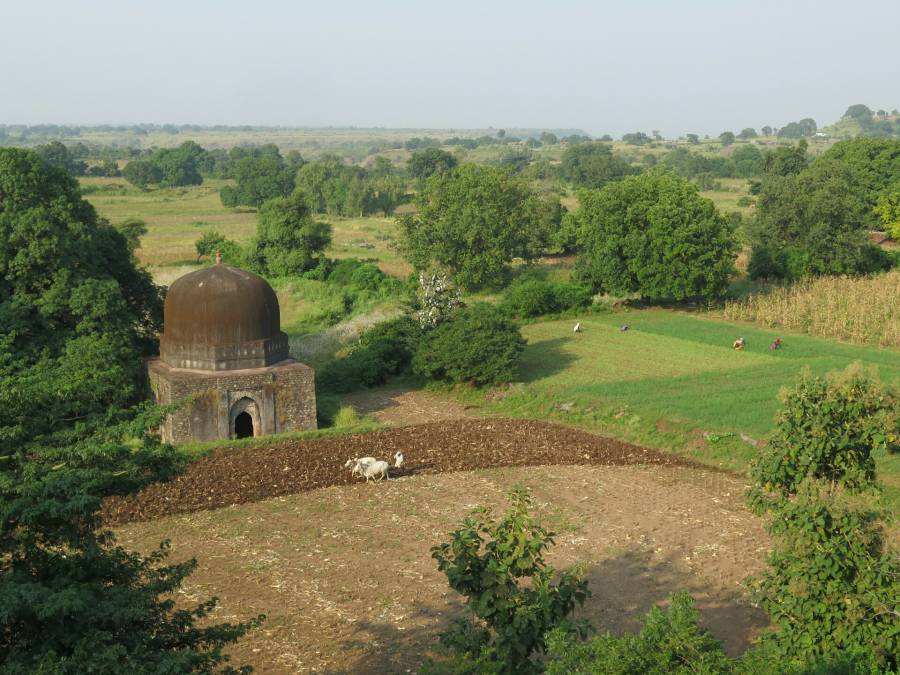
(288, 240)
(474, 220)
(424, 163)
(259, 177)
(593, 165)
(655, 235)
(75, 316)
(811, 223)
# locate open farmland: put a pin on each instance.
(345, 576)
(673, 381)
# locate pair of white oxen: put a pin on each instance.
(369, 467)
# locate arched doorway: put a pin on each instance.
(244, 420)
(243, 425)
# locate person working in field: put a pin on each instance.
(776, 344)
(739, 343)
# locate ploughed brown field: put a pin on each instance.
(343, 569)
(238, 476)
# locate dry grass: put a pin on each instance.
(864, 310)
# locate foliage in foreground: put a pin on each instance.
(71, 600)
(499, 566)
(655, 235)
(670, 641)
(76, 314)
(832, 584)
(476, 346)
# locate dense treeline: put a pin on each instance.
(76, 315)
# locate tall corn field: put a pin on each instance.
(865, 310)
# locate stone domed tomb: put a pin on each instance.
(223, 350)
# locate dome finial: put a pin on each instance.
(218, 257)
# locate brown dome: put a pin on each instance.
(222, 318)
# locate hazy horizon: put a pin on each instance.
(699, 68)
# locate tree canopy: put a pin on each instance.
(288, 240)
(655, 235)
(424, 163)
(474, 220)
(814, 222)
(593, 165)
(259, 177)
(76, 314)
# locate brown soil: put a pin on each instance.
(345, 577)
(397, 406)
(239, 476)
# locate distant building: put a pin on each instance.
(223, 350)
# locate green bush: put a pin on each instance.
(382, 352)
(367, 277)
(831, 586)
(499, 566)
(342, 271)
(536, 297)
(671, 641)
(476, 345)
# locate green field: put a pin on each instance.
(673, 381)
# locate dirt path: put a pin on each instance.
(399, 406)
(345, 574)
(238, 476)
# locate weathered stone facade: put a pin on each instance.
(224, 358)
(277, 398)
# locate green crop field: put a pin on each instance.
(673, 381)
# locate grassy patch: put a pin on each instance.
(673, 381)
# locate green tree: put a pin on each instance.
(474, 220)
(831, 586)
(512, 593)
(747, 160)
(887, 208)
(548, 138)
(288, 241)
(57, 154)
(747, 134)
(179, 167)
(726, 138)
(693, 139)
(791, 130)
(76, 314)
(767, 130)
(593, 165)
(425, 163)
(259, 178)
(815, 222)
(874, 161)
(132, 229)
(475, 345)
(142, 173)
(786, 161)
(671, 642)
(859, 112)
(210, 242)
(636, 138)
(653, 234)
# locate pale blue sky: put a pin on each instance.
(606, 67)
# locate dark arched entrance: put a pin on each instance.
(243, 425)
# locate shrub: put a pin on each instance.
(476, 345)
(367, 277)
(831, 586)
(383, 351)
(342, 271)
(499, 567)
(671, 641)
(829, 429)
(536, 297)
